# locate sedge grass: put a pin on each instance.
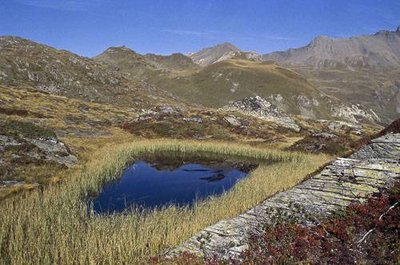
(54, 226)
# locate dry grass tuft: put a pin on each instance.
(55, 226)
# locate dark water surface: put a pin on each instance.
(145, 185)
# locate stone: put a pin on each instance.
(344, 181)
(232, 120)
(193, 119)
(8, 141)
(324, 135)
(55, 151)
(261, 108)
(168, 110)
(354, 113)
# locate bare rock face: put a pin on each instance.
(261, 108)
(232, 120)
(354, 113)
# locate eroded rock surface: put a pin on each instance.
(344, 181)
(24, 144)
(261, 108)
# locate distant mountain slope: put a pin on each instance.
(134, 65)
(358, 70)
(24, 63)
(125, 60)
(214, 54)
(221, 83)
(232, 78)
(176, 61)
(380, 50)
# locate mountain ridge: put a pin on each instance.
(24, 63)
(378, 50)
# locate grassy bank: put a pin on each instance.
(55, 226)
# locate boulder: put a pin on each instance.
(232, 120)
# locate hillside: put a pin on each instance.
(381, 50)
(228, 80)
(359, 70)
(26, 64)
(214, 54)
(222, 52)
(176, 61)
(221, 83)
(135, 66)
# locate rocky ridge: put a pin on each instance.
(379, 50)
(273, 109)
(34, 66)
(344, 181)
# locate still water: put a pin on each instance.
(145, 185)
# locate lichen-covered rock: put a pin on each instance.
(23, 144)
(232, 120)
(354, 113)
(193, 119)
(344, 181)
(261, 108)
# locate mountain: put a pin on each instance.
(221, 83)
(121, 76)
(133, 65)
(175, 61)
(231, 78)
(24, 63)
(381, 50)
(214, 54)
(362, 70)
(124, 59)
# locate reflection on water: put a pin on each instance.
(147, 185)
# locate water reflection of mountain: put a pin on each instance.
(172, 162)
(213, 178)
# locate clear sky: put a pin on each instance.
(87, 27)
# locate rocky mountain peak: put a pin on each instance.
(320, 38)
(120, 49)
(398, 29)
(227, 46)
(326, 52)
(215, 54)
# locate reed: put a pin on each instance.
(55, 225)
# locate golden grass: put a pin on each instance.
(55, 226)
(55, 110)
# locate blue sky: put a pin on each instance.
(87, 27)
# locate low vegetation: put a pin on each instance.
(54, 225)
(367, 233)
(363, 234)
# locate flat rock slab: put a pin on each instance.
(344, 181)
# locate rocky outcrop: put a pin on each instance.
(23, 144)
(344, 181)
(261, 108)
(354, 113)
